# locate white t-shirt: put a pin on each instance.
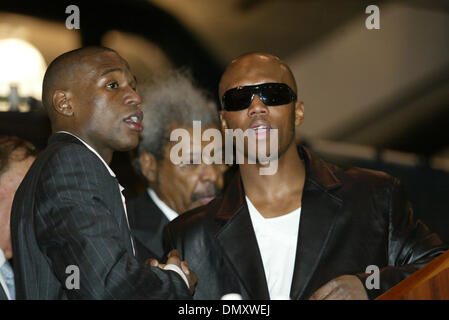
(277, 238)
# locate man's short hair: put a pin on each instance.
(61, 69)
(170, 100)
(8, 144)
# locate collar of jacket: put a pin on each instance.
(318, 175)
(61, 137)
(320, 208)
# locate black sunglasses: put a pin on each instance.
(271, 94)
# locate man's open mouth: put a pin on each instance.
(206, 200)
(260, 129)
(134, 121)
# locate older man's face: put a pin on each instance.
(186, 186)
(9, 182)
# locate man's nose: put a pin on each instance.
(132, 97)
(209, 173)
(257, 107)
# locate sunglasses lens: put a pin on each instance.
(271, 94)
(237, 99)
(276, 94)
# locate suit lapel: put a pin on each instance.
(238, 241)
(318, 216)
(118, 212)
(147, 224)
(146, 219)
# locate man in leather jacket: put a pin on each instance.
(311, 230)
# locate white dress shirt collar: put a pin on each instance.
(168, 212)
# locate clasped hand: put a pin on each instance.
(346, 287)
(174, 258)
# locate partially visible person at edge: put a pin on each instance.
(16, 157)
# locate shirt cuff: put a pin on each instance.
(175, 268)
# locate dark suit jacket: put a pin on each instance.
(147, 224)
(3, 295)
(350, 219)
(68, 211)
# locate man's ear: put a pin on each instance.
(299, 113)
(224, 124)
(61, 103)
(148, 166)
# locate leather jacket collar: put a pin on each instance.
(318, 174)
(320, 207)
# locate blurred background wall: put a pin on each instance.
(373, 98)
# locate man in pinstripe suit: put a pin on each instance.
(70, 232)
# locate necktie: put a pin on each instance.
(8, 276)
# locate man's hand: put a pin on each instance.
(347, 287)
(174, 258)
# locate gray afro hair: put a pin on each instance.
(172, 99)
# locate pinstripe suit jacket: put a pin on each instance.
(68, 211)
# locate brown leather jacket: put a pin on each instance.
(350, 219)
